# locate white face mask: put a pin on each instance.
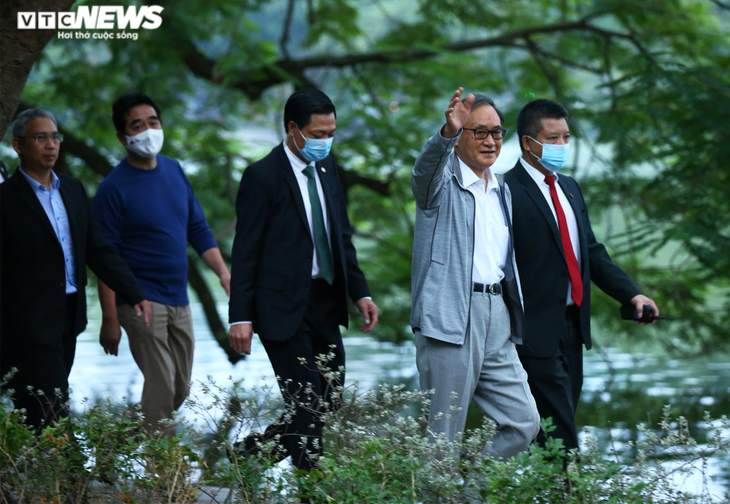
(146, 144)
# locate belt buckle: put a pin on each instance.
(493, 289)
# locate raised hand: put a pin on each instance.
(456, 114)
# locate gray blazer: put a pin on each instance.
(443, 248)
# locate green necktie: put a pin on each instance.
(321, 244)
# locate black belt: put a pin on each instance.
(495, 288)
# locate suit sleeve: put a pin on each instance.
(105, 261)
(428, 176)
(357, 285)
(252, 210)
(604, 272)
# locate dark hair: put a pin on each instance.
(123, 105)
(20, 124)
(480, 100)
(303, 103)
(529, 120)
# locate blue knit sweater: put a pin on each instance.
(149, 216)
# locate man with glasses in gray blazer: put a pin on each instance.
(467, 306)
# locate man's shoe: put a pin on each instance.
(251, 447)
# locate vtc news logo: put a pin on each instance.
(96, 17)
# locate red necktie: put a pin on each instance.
(577, 291)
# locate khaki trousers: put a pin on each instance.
(164, 353)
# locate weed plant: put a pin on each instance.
(377, 450)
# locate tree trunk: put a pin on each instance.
(197, 282)
(19, 50)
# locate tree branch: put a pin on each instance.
(19, 50)
(225, 231)
(254, 81)
(88, 154)
(285, 31)
(349, 179)
(549, 73)
(558, 58)
(197, 282)
(310, 12)
(412, 54)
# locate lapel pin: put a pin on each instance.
(571, 195)
(323, 170)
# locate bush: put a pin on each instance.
(71, 460)
(377, 450)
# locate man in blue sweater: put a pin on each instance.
(147, 210)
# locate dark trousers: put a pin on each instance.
(556, 382)
(318, 334)
(45, 368)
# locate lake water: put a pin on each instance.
(96, 374)
(620, 388)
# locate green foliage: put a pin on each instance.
(107, 444)
(646, 83)
(377, 450)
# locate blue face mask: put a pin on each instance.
(554, 156)
(315, 149)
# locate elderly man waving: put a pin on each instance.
(467, 307)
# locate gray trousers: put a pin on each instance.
(485, 368)
(163, 351)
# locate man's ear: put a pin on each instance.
(122, 138)
(291, 127)
(16, 145)
(525, 141)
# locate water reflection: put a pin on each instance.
(98, 375)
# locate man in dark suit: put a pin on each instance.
(293, 267)
(558, 258)
(47, 238)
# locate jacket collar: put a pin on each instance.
(533, 191)
(458, 168)
(288, 172)
(27, 194)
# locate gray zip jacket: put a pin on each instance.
(443, 248)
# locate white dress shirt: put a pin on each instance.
(298, 167)
(539, 179)
(491, 234)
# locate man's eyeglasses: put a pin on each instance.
(481, 134)
(43, 138)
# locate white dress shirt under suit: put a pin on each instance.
(567, 210)
(491, 235)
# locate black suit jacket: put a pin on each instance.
(271, 263)
(543, 269)
(32, 272)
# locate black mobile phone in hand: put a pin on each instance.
(628, 312)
